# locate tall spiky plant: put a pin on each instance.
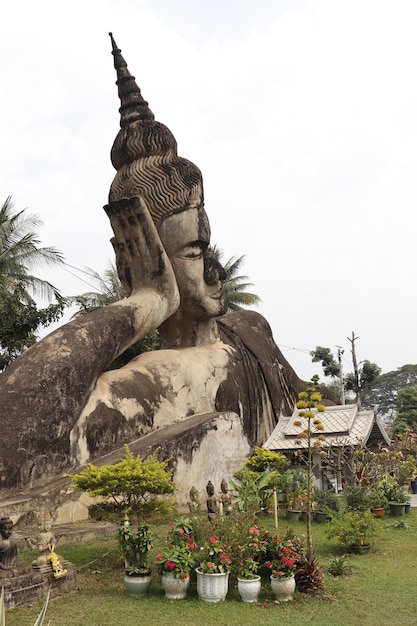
(310, 406)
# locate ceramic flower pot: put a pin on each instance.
(293, 516)
(321, 517)
(397, 508)
(174, 588)
(212, 587)
(378, 511)
(359, 549)
(249, 589)
(283, 588)
(137, 584)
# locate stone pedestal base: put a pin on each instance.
(31, 585)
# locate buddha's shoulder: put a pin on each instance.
(244, 322)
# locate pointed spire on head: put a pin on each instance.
(144, 153)
(133, 106)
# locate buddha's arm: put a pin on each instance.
(51, 382)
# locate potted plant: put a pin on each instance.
(177, 560)
(326, 503)
(130, 489)
(283, 553)
(356, 498)
(248, 555)
(293, 485)
(135, 546)
(378, 502)
(354, 530)
(396, 495)
(405, 470)
(213, 571)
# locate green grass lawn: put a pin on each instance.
(379, 591)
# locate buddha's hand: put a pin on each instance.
(141, 260)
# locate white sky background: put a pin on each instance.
(302, 116)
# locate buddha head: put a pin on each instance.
(145, 156)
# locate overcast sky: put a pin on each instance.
(302, 116)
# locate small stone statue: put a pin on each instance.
(225, 498)
(194, 504)
(211, 501)
(45, 540)
(8, 549)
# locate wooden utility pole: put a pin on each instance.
(355, 369)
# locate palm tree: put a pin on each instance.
(235, 285)
(109, 290)
(20, 252)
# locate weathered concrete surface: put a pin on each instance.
(31, 586)
(209, 446)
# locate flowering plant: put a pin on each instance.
(283, 554)
(353, 528)
(214, 556)
(249, 554)
(178, 555)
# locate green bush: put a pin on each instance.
(353, 528)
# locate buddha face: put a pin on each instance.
(6, 529)
(186, 239)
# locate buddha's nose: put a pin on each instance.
(213, 270)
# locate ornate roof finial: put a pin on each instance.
(133, 106)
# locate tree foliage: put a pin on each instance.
(132, 486)
(20, 319)
(367, 374)
(110, 290)
(20, 251)
(385, 389)
(406, 409)
(362, 377)
(328, 362)
(236, 285)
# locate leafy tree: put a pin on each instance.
(253, 489)
(131, 487)
(328, 362)
(358, 381)
(235, 285)
(265, 461)
(385, 389)
(19, 321)
(406, 409)
(363, 379)
(258, 477)
(20, 251)
(109, 290)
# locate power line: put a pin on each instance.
(281, 345)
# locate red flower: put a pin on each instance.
(170, 565)
(268, 564)
(181, 531)
(159, 557)
(213, 539)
